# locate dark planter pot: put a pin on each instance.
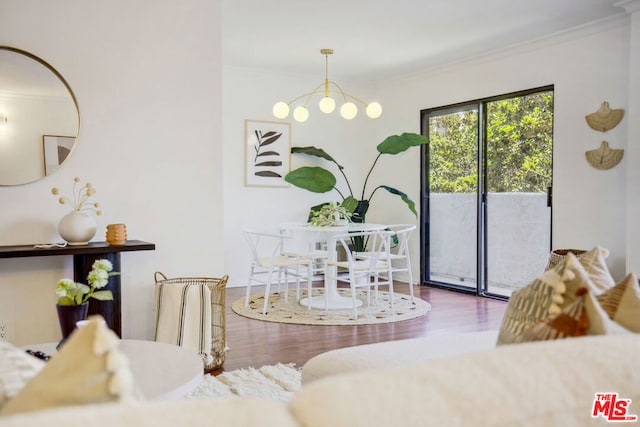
(68, 315)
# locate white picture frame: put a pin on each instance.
(267, 153)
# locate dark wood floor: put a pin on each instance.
(256, 343)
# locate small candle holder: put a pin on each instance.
(116, 234)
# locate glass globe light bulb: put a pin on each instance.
(348, 110)
(374, 110)
(281, 110)
(301, 114)
(327, 105)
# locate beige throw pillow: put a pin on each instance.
(16, 369)
(89, 368)
(594, 262)
(532, 303)
(622, 303)
(550, 293)
(572, 321)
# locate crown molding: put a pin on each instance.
(630, 6)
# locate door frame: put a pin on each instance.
(481, 217)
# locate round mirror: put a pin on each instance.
(39, 118)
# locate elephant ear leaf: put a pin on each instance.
(350, 203)
(314, 151)
(404, 197)
(312, 178)
(398, 143)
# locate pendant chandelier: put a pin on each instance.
(327, 104)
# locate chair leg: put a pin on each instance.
(248, 292)
(376, 281)
(286, 283)
(355, 302)
(309, 284)
(391, 294)
(410, 274)
(352, 280)
(267, 291)
(298, 283)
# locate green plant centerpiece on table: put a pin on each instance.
(320, 180)
(330, 214)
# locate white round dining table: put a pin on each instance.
(332, 299)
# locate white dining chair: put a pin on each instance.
(400, 258)
(374, 271)
(310, 246)
(269, 264)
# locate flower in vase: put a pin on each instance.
(79, 201)
(75, 293)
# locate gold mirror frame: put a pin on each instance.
(33, 149)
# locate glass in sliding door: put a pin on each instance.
(518, 173)
(452, 199)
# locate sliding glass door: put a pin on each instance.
(486, 211)
(453, 183)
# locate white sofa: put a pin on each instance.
(550, 383)
(396, 353)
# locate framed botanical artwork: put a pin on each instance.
(267, 153)
(56, 149)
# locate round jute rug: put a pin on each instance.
(293, 312)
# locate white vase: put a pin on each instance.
(77, 228)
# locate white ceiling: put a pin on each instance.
(376, 39)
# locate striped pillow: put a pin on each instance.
(622, 303)
(532, 303)
(572, 321)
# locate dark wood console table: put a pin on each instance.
(83, 258)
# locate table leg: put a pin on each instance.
(110, 310)
(333, 300)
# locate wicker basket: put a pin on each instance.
(558, 255)
(217, 286)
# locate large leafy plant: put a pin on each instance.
(320, 180)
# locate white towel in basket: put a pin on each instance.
(183, 317)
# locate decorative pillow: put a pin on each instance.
(599, 321)
(89, 368)
(16, 369)
(594, 262)
(622, 303)
(545, 296)
(532, 303)
(572, 321)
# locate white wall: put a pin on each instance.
(586, 68)
(632, 153)
(147, 76)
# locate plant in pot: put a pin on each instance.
(73, 297)
(330, 214)
(320, 180)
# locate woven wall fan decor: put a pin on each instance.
(604, 157)
(604, 118)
